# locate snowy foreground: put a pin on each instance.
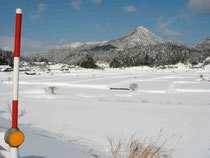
(84, 111)
(42, 144)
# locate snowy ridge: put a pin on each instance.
(97, 42)
(204, 45)
(139, 36)
(76, 45)
(139, 47)
(67, 46)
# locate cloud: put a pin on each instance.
(199, 6)
(76, 4)
(168, 32)
(96, 1)
(129, 9)
(41, 8)
(27, 45)
(163, 27)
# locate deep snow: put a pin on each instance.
(43, 144)
(85, 111)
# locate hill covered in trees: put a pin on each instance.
(140, 47)
(6, 57)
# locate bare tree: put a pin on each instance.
(133, 86)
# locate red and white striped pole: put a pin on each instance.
(16, 68)
(14, 150)
(14, 137)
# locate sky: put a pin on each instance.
(57, 22)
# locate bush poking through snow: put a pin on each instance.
(137, 148)
(206, 79)
(133, 86)
(52, 89)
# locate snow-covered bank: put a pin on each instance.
(43, 144)
(85, 110)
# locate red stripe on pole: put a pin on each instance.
(17, 35)
(15, 114)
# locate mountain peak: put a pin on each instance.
(141, 28)
(139, 36)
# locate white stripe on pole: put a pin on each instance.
(16, 78)
(14, 153)
(18, 11)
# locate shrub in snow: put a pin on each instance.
(52, 89)
(88, 62)
(133, 86)
(207, 79)
(138, 148)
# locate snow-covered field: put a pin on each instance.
(85, 111)
(43, 144)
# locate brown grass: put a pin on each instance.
(139, 148)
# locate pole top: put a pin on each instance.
(18, 11)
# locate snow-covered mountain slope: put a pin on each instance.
(141, 44)
(204, 46)
(139, 36)
(75, 44)
(168, 53)
(43, 144)
(67, 46)
(65, 53)
(97, 42)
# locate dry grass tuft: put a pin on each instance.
(139, 148)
